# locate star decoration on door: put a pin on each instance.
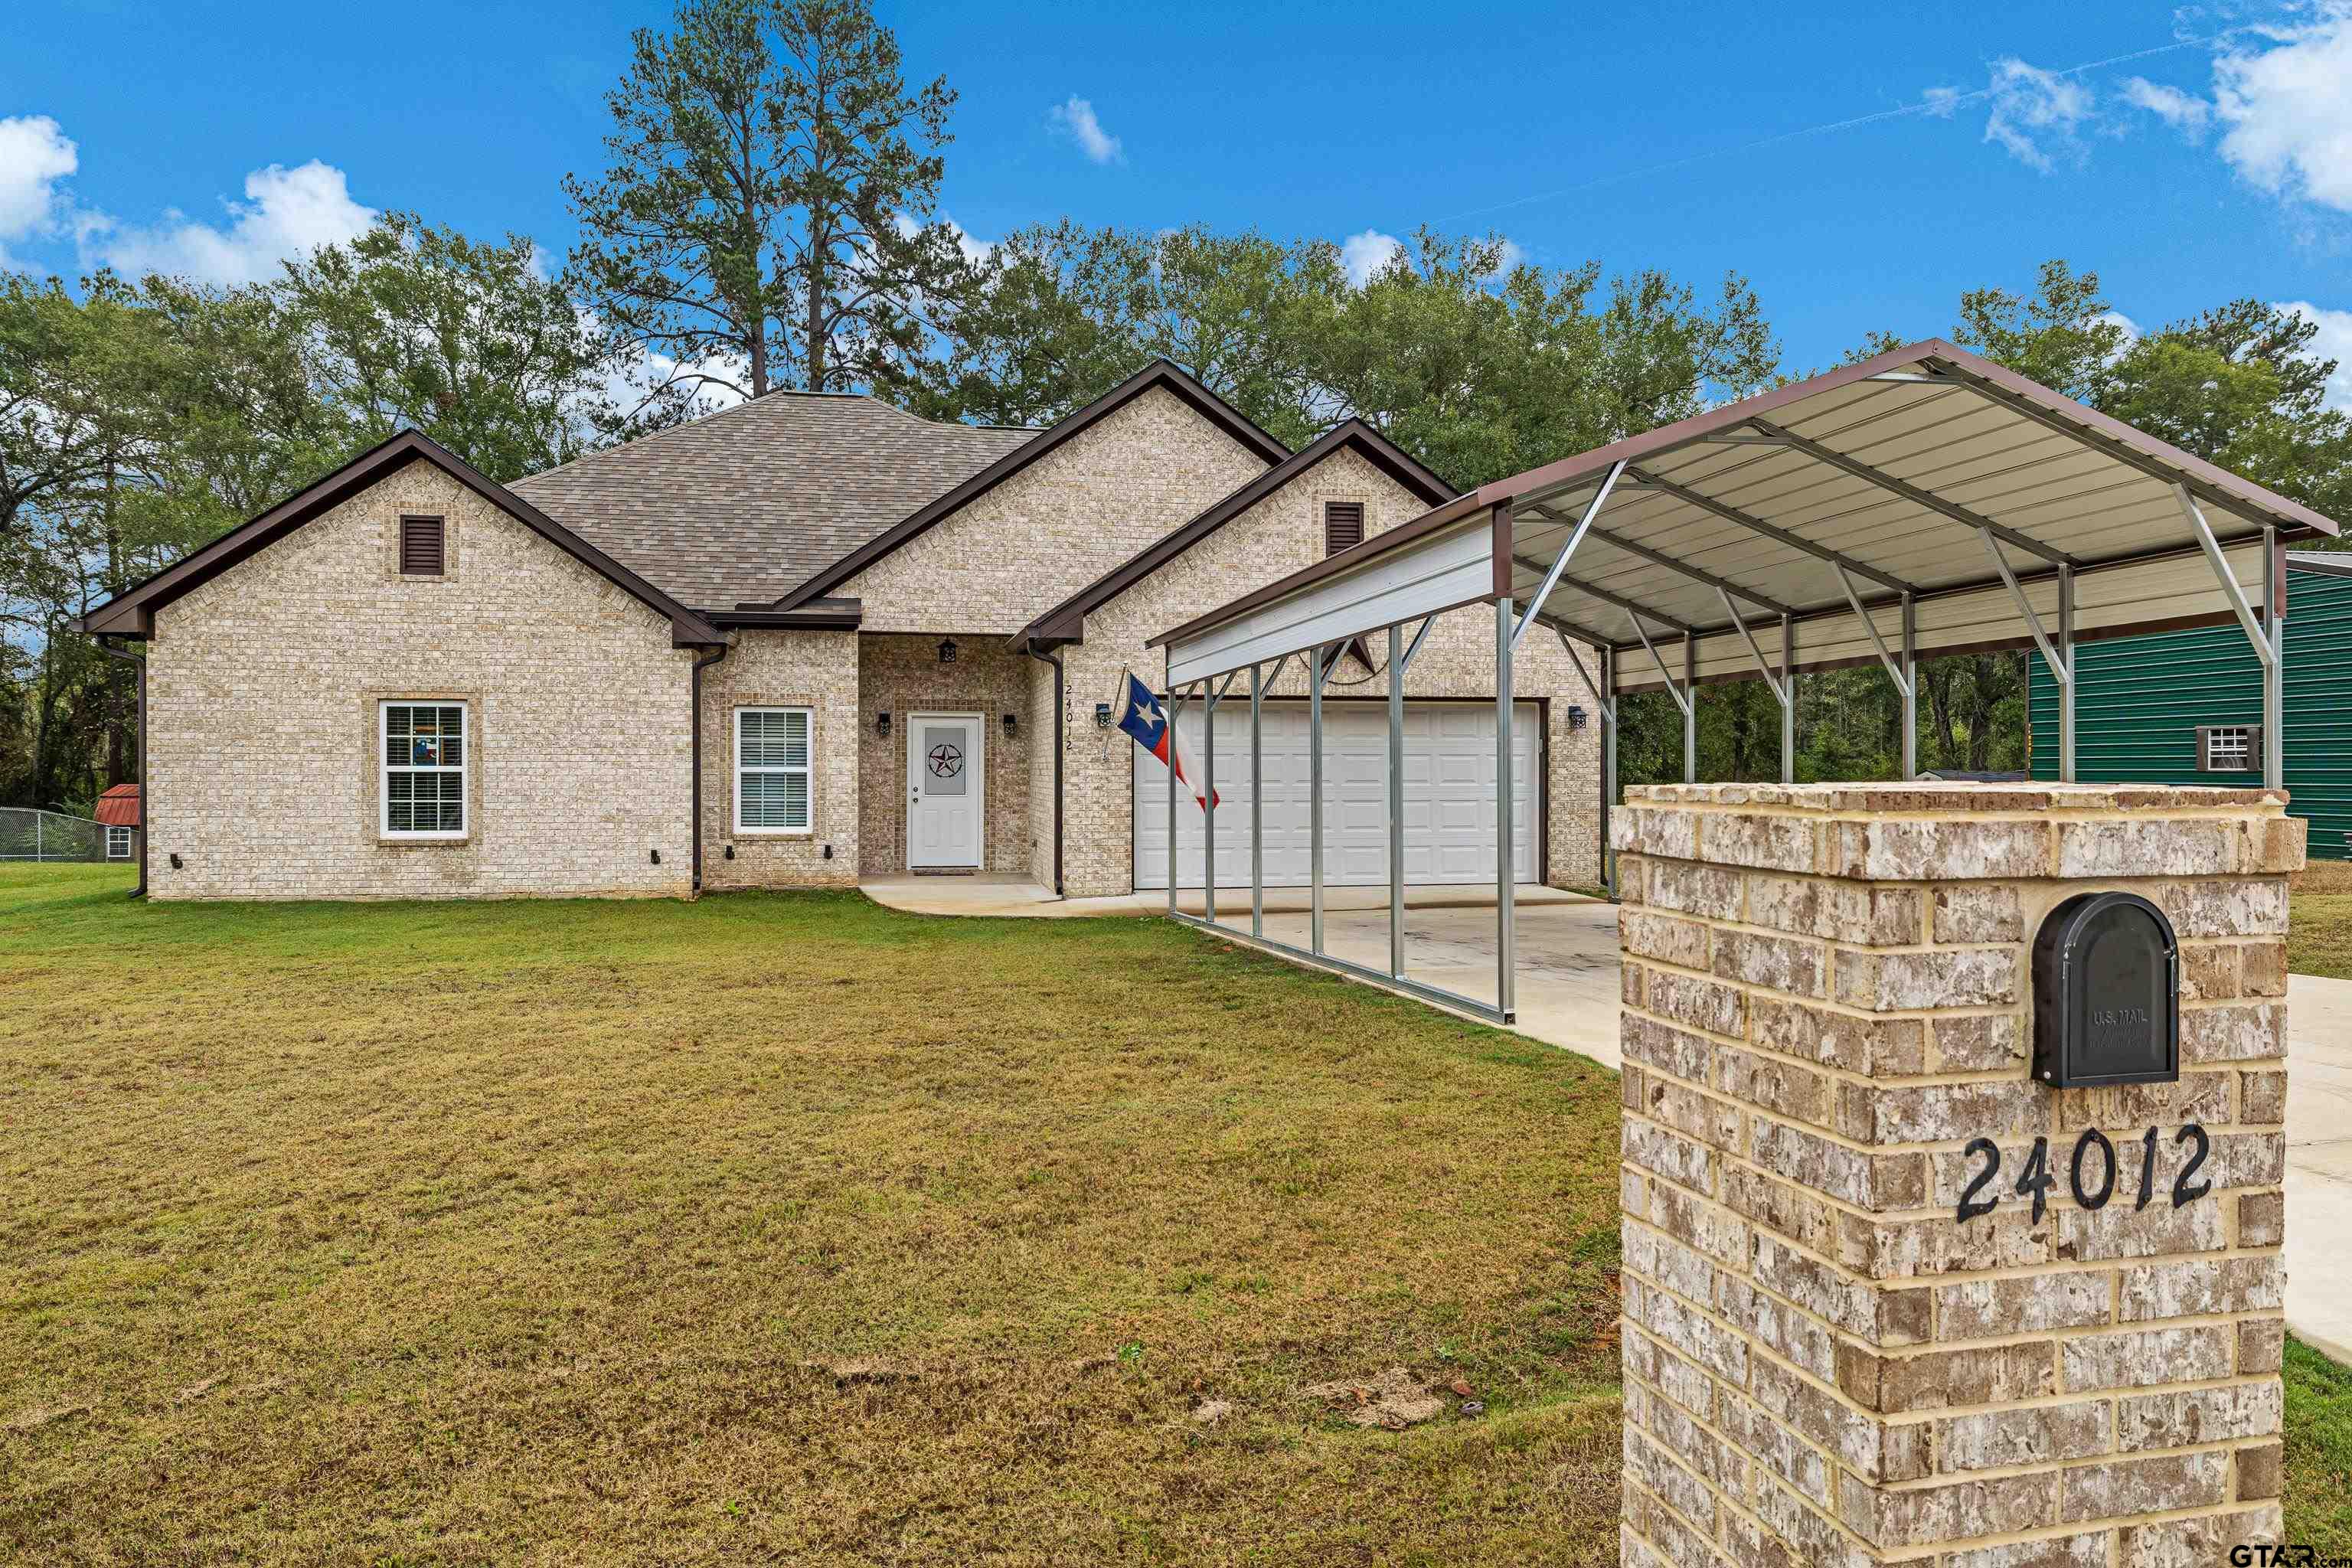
(946, 761)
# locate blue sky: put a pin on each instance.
(1861, 165)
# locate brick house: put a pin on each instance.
(807, 640)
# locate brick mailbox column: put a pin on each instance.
(1827, 1000)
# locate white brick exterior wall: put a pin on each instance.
(262, 692)
(816, 670)
(1058, 525)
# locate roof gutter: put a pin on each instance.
(696, 681)
(1031, 649)
(146, 813)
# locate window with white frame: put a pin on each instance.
(772, 769)
(118, 843)
(424, 769)
(2226, 748)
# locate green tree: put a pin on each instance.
(769, 217)
(1477, 367)
(414, 326)
(1055, 315)
(1481, 367)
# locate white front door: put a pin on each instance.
(943, 789)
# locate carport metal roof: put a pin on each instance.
(1924, 486)
(1924, 500)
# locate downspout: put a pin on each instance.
(1030, 648)
(699, 665)
(146, 816)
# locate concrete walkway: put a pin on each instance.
(2319, 1162)
(1568, 996)
(1003, 893)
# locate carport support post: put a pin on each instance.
(1396, 799)
(1315, 802)
(1608, 658)
(1910, 688)
(2066, 687)
(1506, 927)
(1690, 708)
(1787, 700)
(1257, 810)
(1208, 799)
(1170, 717)
(2274, 668)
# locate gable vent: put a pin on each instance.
(1343, 525)
(420, 546)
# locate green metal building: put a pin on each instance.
(2185, 707)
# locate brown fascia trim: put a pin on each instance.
(131, 613)
(1159, 372)
(1066, 622)
(820, 617)
(2096, 430)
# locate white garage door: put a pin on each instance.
(1449, 796)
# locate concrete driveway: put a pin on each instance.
(2319, 1162)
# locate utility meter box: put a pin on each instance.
(2106, 993)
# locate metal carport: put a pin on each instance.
(1923, 501)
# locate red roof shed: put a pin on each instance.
(119, 807)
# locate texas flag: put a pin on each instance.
(1141, 716)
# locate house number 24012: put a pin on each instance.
(2095, 1157)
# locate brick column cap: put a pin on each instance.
(1943, 796)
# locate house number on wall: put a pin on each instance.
(2094, 1160)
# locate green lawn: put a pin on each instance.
(791, 1229)
(773, 1228)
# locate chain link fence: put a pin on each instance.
(30, 835)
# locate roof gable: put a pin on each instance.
(1158, 374)
(131, 613)
(1066, 622)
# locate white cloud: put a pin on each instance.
(2184, 112)
(2334, 341)
(1942, 100)
(1075, 120)
(2289, 108)
(1365, 253)
(2035, 111)
(34, 156)
(286, 213)
(2117, 319)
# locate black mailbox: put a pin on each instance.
(2106, 993)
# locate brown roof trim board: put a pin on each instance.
(1066, 622)
(1160, 373)
(2095, 428)
(131, 613)
(817, 616)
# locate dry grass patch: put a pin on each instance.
(2319, 934)
(779, 1228)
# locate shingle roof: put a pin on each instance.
(740, 506)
